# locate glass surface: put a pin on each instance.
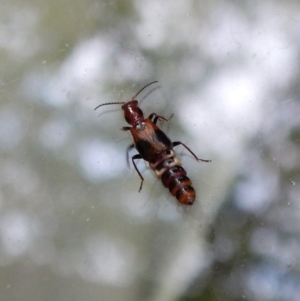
(73, 225)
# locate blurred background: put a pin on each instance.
(72, 223)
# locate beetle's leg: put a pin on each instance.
(198, 159)
(158, 117)
(135, 157)
(125, 128)
(127, 153)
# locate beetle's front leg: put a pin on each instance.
(125, 128)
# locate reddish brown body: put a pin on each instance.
(156, 148)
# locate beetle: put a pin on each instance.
(155, 147)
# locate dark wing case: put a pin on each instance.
(150, 141)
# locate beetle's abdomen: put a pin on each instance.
(168, 168)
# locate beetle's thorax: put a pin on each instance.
(133, 114)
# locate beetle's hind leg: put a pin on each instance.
(135, 157)
(198, 159)
(127, 153)
(158, 117)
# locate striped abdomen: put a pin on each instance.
(168, 168)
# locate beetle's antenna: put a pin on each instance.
(143, 89)
(123, 102)
(110, 103)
